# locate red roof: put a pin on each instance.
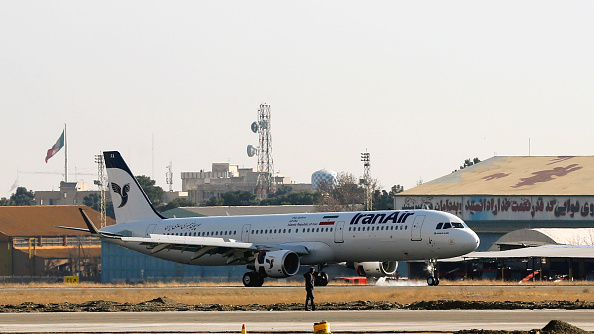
(26, 221)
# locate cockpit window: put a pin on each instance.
(439, 226)
(447, 225)
(457, 225)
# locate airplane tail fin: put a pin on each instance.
(130, 202)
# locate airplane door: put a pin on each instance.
(245, 233)
(150, 230)
(416, 228)
(338, 237)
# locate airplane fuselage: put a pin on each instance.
(326, 237)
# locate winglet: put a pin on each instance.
(89, 223)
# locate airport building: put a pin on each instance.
(527, 197)
(31, 248)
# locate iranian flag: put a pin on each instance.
(57, 146)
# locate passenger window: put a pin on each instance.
(234, 232)
(284, 230)
(439, 226)
(349, 228)
(289, 230)
(331, 229)
(274, 230)
(317, 229)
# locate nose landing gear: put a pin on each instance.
(432, 280)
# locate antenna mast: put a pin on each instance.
(265, 183)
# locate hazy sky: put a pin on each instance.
(422, 85)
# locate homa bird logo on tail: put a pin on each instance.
(122, 192)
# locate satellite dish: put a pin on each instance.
(255, 127)
(251, 151)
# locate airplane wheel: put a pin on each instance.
(432, 281)
(250, 279)
(259, 281)
(321, 279)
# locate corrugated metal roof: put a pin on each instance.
(21, 221)
(516, 176)
(556, 236)
(548, 251)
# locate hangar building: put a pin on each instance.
(504, 194)
(31, 248)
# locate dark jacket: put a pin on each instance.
(310, 278)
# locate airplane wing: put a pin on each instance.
(233, 250)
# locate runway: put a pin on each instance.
(298, 321)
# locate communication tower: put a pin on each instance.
(169, 176)
(101, 183)
(265, 183)
(367, 180)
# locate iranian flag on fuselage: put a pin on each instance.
(57, 146)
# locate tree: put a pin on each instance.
(396, 189)
(345, 195)
(233, 198)
(153, 192)
(176, 203)
(300, 198)
(213, 201)
(22, 197)
(468, 163)
(382, 200)
(92, 201)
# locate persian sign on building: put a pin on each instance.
(538, 208)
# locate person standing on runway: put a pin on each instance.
(310, 278)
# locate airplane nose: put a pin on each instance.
(472, 240)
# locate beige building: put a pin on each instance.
(226, 177)
(70, 193)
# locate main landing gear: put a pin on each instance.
(252, 279)
(432, 280)
(321, 278)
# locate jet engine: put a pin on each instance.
(277, 264)
(376, 269)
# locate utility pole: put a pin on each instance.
(100, 182)
(365, 158)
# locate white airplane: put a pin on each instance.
(277, 245)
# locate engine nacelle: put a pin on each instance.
(277, 264)
(376, 269)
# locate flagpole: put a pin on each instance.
(65, 156)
